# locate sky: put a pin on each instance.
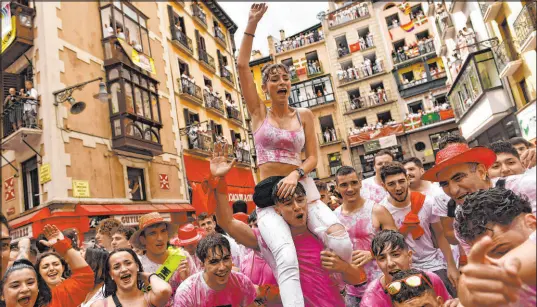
(280, 15)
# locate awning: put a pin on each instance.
(240, 183)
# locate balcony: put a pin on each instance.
(314, 71)
(220, 37)
(525, 27)
(243, 156)
(198, 143)
(206, 60)
(226, 75)
(343, 52)
(183, 42)
(373, 133)
(368, 101)
(20, 37)
(20, 125)
(490, 10)
(362, 75)
(311, 101)
(338, 19)
(213, 103)
(329, 137)
(415, 122)
(234, 114)
(426, 50)
(507, 60)
(304, 39)
(189, 91)
(463, 52)
(445, 26)
(456, 5)
(424, 85)
(199, 15)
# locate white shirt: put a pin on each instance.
(371, 190)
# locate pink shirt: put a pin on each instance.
(360, 228)
(375, 295)
(194, 291)
(257, 269)
(318, 286)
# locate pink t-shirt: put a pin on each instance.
(375, 295)
(257, 269)
(371, 190)
(318, 286)
(360, 228)
(194, 291)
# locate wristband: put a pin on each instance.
(62, 246)
(211, 184)
(246, 33)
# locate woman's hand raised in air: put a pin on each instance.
(256, 12)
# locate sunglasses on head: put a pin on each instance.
(411, 281)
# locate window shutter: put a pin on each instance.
(172, 22)
(9, 81)
(187, 118)
(232, 133)
(197, 39)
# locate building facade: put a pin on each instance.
(313, 87)
(364, 87)
(71, 160)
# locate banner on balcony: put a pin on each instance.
(139, 59)
(355, 47)
(408, 27)
(363, 137)
(301, 71)
(9, 26)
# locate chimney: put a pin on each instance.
(282, 34)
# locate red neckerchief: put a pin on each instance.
(411, 224)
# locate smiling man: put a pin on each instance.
(507, 160)
(372, 186)
(393, 255)
(217, 284)
(413, 288)
(171, 264)
(362, 218)
(413, 214)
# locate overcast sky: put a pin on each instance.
(292, 17)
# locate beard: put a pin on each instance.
(399, 198)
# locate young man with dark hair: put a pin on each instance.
(521, 144)
(413, 288)
(105, 230)
(507, 160)
(500, 226)
(217, 284)
(316, 264)
(5, 243)
(362, 219)
(323, 191)
(413, 214)
(120, 239)
(451, 138)
(240, 206)
(206, 222)
(372, 186)
(392, 256)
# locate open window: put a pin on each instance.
(346, 65)
(183, 68)
(207, 82)
(440, 100)
(384, 117)
(342, 46)
(376, 86)
(399, 44)
(328, 131)
(360, 122)
(288, 62)
(313, 63)
(422, 35)
(334, 161)
(416, 11)
(353, 94)
(415, 107)
(393, 21)
(136, 182)
(407, 77)
(30, 182)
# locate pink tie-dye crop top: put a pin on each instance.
(277, 145)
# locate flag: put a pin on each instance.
(354, 47)
(409, 27)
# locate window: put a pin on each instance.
(360, 122)
(334, 161)
(217, 130)
(524, 89)
(415, 107)
(384, 117)
(440, 100)
(416, 11)
(342, 46)
(207, 82)
(407, 76)
(353, 94)
(30, 181)
(136, 181)
(422, 35)
(125, 22)
(312, 92)
(376, 86)
(288, 62)
(183, 68)
(393, 21)
(398, 44)
(190, 117)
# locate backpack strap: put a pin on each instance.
(411, 224)
(116, 300)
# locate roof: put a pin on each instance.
(261, 61)
(219, 12)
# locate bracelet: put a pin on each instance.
(250, 34)
(62, 246)
(149, 277)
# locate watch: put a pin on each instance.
(300, 172)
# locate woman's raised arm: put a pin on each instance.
(253, 102)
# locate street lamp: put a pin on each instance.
(64, 95)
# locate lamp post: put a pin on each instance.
(65, 94)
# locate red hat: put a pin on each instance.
(186, 235)
(458, 153)
(243, 217)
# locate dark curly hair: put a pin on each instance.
(486, 207)
(44, 295)
(211, 242)
(504, 147)
(393, 239)
(110, 286)
(451, 138)
(406, 293)
(66, 270)
(390, 169)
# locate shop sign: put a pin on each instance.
(9, 26)
(372, 146)
(369, 157)
(45, 173)
(9, 188)
(240, 196)
(527, 122)
(164, 181)
(81, 188)
(23, 232)
(132, 219)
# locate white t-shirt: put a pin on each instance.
(425, 256)
(371, 190)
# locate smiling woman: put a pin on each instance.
(52, 268)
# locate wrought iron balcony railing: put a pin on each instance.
(213, 102)
(184, 40)
(233, 113)
(189, 88)
(199, 14)
(21, 113)
(206, 58)
(504, 54)
(225, 73)
(220, 35)
(414, 52)
(526, 22)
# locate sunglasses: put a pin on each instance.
(411, 281)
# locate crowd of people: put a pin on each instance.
(365, 100)
(364, 69)
(371, 127)
(298, 41)
(329, 135)
(20, 108)
(408, 51)
(348, 13)
(200, 138)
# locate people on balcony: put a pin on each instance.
(12, 109)
(314, 67)
(108, 30)
(29, 95)
(342, 50)
(348, 14)
(193, 135)
(119, 33)
(298, 41)
(369, 39)
(327, 137)
(188, 83)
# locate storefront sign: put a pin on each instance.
(132, 219)
(388, 141)
(372, 146)
(9, 26)
(526, 120)
(23, 232)
(164, 181)
(9, 189)
(233, 197)
(81, 188)
(44, 173)
(370, 157)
